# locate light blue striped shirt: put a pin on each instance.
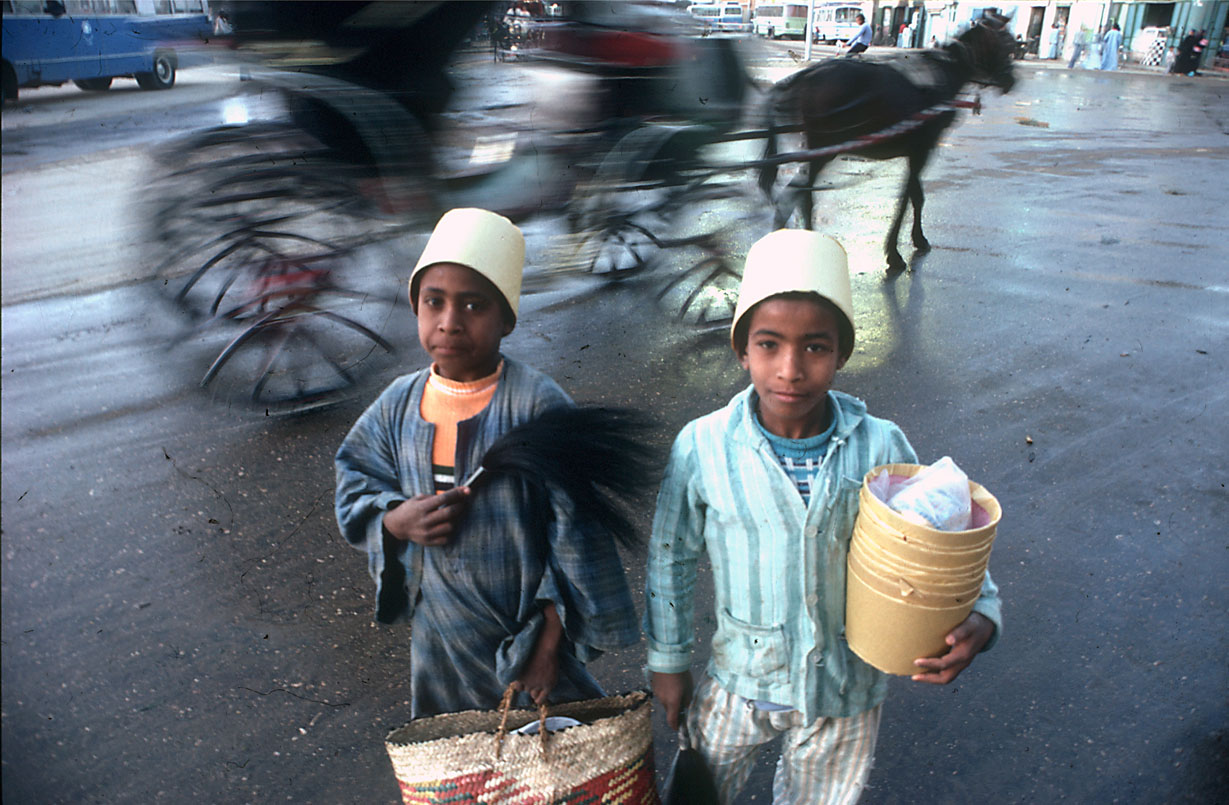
(778, 564)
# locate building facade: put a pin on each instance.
(1051, 29)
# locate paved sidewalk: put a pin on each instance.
(1126, 67)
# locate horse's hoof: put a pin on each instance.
(896, 264)
(923, 247)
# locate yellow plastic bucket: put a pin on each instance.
(908, 585)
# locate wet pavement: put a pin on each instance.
(182, 621)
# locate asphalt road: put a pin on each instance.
(182, 621)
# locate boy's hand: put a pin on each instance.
(428, 519)
(966, 640)
(674, 692)
(540, 674)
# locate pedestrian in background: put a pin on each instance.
(1198, 50)
(1109, 48)
(1078, 46)
(1052, 44)
(767, 487)
(496, 594)
(1186, 61)
(1092, 56)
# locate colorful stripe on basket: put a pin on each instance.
(630, 785)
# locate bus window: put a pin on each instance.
(721, 16)
(836, 22)
(777, 20)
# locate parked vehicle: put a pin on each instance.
(724, 17)
(92, 42)
(777, 20)
(836, 22)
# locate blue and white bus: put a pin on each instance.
(92, 42)
(726, 17)
(777, 20)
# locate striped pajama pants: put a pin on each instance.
(826, 761)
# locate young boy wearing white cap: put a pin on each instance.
(491, 600)
(768, 487)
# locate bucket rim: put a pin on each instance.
(980, 495)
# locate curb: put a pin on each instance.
(1127, 69)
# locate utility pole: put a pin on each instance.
(810, 32)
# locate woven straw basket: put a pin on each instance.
(470, 757)
(908, 585)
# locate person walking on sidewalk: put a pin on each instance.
(1109, 48)
(1053, 44)
(1188, 59)
(861, 40)
(1078, 47)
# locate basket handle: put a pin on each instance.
(505, 704)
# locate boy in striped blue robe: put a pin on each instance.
(768, 487)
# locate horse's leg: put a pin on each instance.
(806, 190)
(895, 261)
(784, 206)
(913, 187)
(808, 195)
(796, 197)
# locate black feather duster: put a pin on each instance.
(591, 454)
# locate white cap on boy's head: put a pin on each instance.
(791, 260)
(482, 240)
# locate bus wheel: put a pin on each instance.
(10, 83)
(163, 75)
(94, 84)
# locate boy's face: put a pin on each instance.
(793, 355)
(460, 321)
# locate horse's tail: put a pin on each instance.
(768, 171)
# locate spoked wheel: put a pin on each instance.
(284, 267)
(287, 336)
(653, 203)
(624, 211)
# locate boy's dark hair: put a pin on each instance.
(844, 327)
(505, 310)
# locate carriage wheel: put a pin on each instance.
(623, 213)
(281, 263)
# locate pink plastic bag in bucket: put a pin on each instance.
(938, 496)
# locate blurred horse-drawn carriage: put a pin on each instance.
(276, 237)
(282, 240)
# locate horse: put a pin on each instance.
(893, 107)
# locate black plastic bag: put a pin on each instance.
(689, 782)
